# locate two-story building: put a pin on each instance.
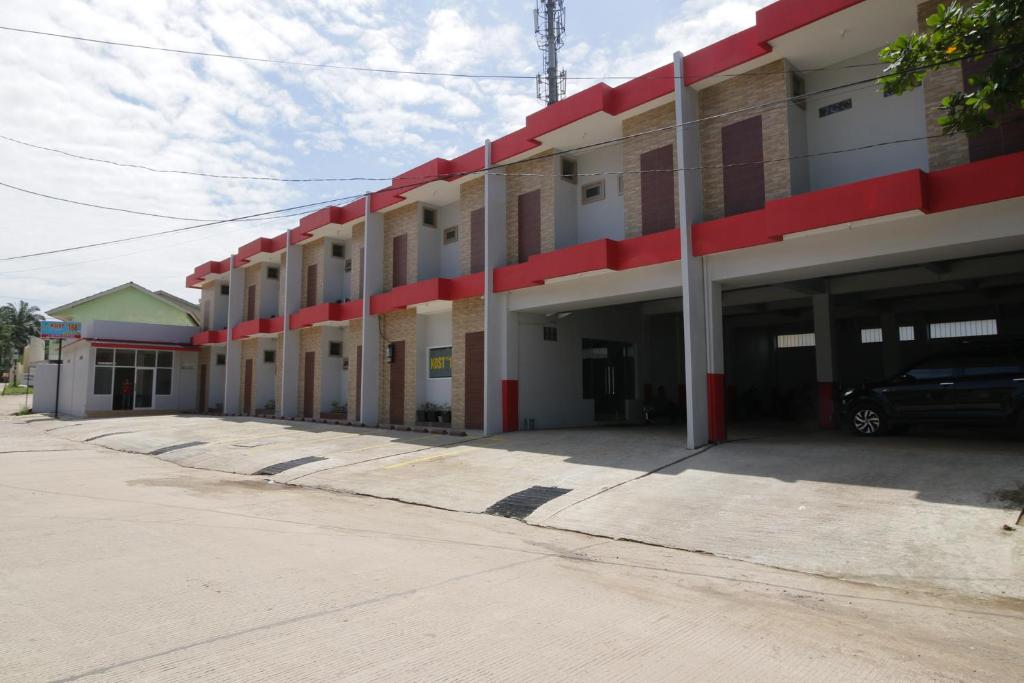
(740, 231)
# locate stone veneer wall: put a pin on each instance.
(252, 278)
(309, 340)
(768, 83)
(521, 184)
(633, 148)
(403, 221)
(467, 316)
(353, 340)
(948, 150)
(471, 198)
(313, 253)
(398, 326)
(250, 350)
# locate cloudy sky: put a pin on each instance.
(223, 116)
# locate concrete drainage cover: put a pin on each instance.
(287, 465)
(176, 447)
(521, 505)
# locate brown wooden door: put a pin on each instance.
(742, 157)
(657, 190)
(396, 407)
(309, 387)
(311, 282)
(359, 384)
(1007, 135)
(476, 241)
(529, 225)
(250, 303)
(399, 260)
(202, 389)
(474, 380)
(247, 388)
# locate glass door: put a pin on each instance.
(143, 388)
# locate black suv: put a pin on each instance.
(973, 384)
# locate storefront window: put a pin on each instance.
(103, 382)
(146, 359)
(125, 357)
(163, 382)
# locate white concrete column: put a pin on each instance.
(373, 283)
(496, 315)
(233, 360)
(824, 360)
(292, 282)
(715, 324)
(694, 324)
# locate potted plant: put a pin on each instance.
(337, 411)
(267, 410)
(444, 414)
(426, 412)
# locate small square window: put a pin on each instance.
(348, 265)
(273, 273)
(338, 250)
(429, 216)
(268, 356)
(835, 108)
(223, 290)
(871, 335)
(592, 192)
(550, 333)
(334, 348)
(569, 170)
(221, 359)
(104, 356)
(907, 333)
(451, 235)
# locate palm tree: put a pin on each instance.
(17, 325)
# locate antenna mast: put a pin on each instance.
(549, 25)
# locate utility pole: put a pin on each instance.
(549, 25)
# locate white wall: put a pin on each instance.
(551, 373)
(138, 332)
(269, 296)
(219, 315)
(333, 379)
(566, 203)
(432, 330)
(447, 218)
(872, 119)
(606, 218)
(337, 283)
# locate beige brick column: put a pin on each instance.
(471, 198)
(527, 176)
(309, 340)
(403, 221)
(398, 326)
(632, 149)
(467, 316)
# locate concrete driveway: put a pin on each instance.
(911, 511)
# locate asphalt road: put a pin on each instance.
(120, 567)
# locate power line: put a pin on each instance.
(393, 72)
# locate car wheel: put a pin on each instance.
(867, 419)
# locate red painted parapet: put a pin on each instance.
(206, 269)
(716, 407)
(262, 245)
(436, 289)
(509, 405)
(605, 254)
(210, 337)
(980, 182)
(322, 313)
(858, 201)
(248, 328)
(826, 405)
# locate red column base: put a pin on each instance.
(509, 405)
(826, 405)
(716, 407)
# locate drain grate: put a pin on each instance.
(176, 447)
(287, 465)
(521, 505)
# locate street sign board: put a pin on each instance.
(58, 329)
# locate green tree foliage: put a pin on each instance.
(17, 325)
(991, 32)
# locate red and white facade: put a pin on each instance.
(546, 279)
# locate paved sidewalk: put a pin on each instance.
(918, 512)
(125, 568)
